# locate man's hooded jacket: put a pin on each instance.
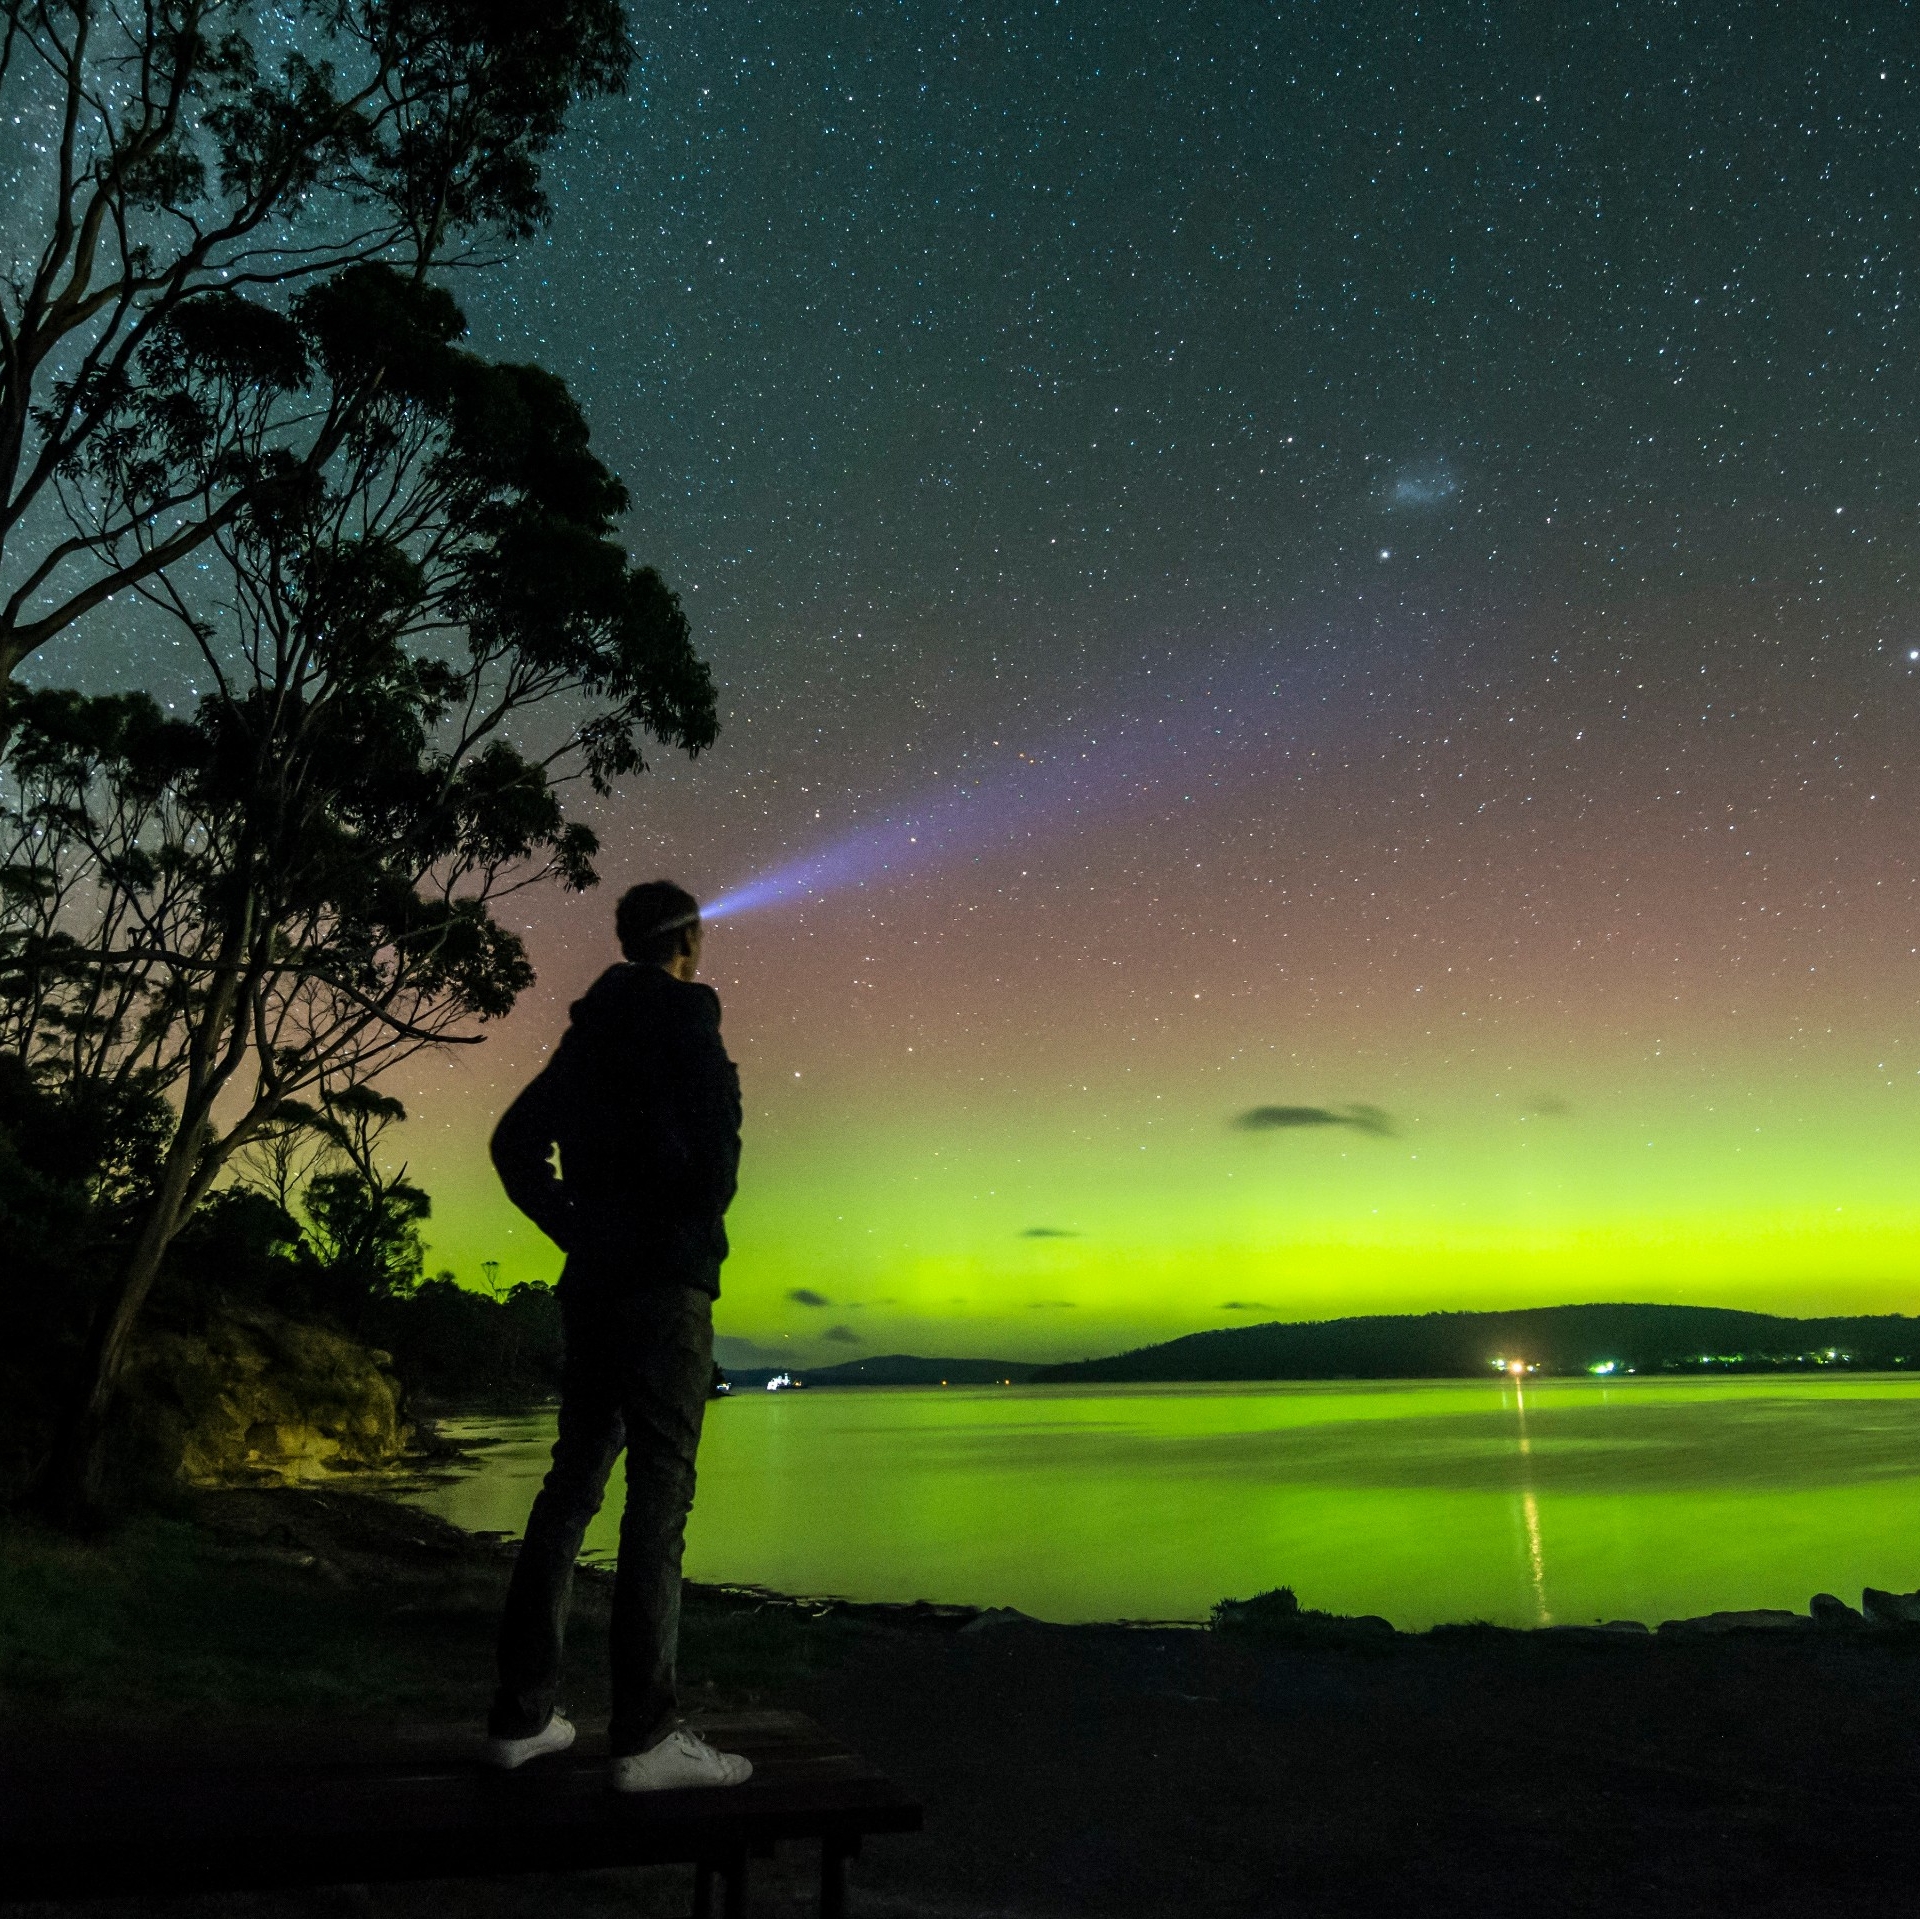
(644, 1106)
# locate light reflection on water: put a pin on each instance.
(1559, 1502)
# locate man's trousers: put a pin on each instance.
(638, 1369)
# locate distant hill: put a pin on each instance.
(898, 1369)
(1556, 1339)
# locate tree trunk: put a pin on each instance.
(71, 1488)
(7, 707)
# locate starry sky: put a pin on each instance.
(1318, 655)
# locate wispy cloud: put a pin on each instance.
(806, 1296)
(1248, 1306)
(1048, 1305)
(1280, 1119)
(730, 1350)
(842, 1335)
(1049, 1232)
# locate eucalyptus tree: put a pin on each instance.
(173, 152)
(411, 651)
(362, 1216)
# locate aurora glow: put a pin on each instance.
(1412, 609)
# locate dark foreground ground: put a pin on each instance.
(1066, 1771)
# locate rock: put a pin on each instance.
(1279, 1613)
(1600, 1629)
(999, 1616)
(1890, 1609)
(1709, 1625)
(280, 1559)
(1276, 1608)
(257, 1398)
(1832, 1613)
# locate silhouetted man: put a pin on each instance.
(644, 1106)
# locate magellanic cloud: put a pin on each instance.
(1280, 1119)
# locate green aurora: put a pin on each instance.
(1047, 1235)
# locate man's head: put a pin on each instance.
(658, 924)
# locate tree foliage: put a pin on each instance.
(234, 398)
(362, 1221)
(319, 1227)
(192, 150)
(410, 651)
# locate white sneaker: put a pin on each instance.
(681, 1759)
(555, 1736)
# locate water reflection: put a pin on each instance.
(1530, 1510)
(1421, 1500)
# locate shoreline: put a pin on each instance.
(1315, 1769)
(362, 1530)
(378, 1567)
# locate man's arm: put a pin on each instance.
(522, 1150)
(709, 1112)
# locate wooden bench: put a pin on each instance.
(233, 1827)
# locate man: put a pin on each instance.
(644, 1106)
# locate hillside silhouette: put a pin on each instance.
(1551, 1339)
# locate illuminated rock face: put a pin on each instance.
(255, 1397)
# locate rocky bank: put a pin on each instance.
(255, 1398)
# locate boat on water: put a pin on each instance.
(784, 1383)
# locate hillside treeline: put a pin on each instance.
(1551, 1339)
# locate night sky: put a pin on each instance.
(1317, 649)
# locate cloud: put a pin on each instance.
(1550, 1106)
(1279, 1119)
(806, 1296)
(1271, 1119)
(1046, 1305)
(842, 1335)
(1247, 1306)
(1049, 1232)
(734, 1352)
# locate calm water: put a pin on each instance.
(1425, 1501)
